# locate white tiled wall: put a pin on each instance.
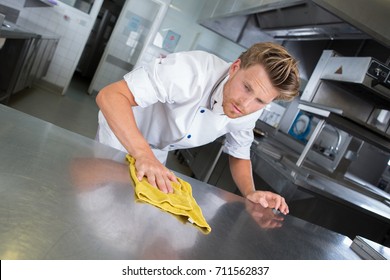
(182, 18)
(69, 24)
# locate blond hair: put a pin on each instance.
(281, 67)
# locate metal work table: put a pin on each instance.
(64, 196)
(350, 208)
(24, 57)
(11, 31)
(363, 198)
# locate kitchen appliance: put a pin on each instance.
(353, 95)
(247, 22)
(357, 89)
(371, 17)
(366, 72)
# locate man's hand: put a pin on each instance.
(156, 173)
(264, 217)
(269, 199)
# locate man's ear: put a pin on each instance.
(235, 66)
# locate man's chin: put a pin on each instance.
(233, 115)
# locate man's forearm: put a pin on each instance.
(116, 102)
(241, 170)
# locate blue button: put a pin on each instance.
(189, 136)
(171, 146)
(202, 111)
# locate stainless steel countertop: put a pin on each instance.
(370, 250)
(65, 196)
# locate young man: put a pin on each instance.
(190, 99)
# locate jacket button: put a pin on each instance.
(202, 111)
(189, 136)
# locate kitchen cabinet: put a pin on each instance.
(224, 8)
(11, 57)
(25, 58)
(44, 56)
(24, 77)
(252, 6)
(82, 5)
(36, 62)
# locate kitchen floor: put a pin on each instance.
(76, 111)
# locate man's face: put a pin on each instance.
(247, 90)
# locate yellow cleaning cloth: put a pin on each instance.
(180, 202)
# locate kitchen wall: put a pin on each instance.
(73, 27)
(181, 18)
(125, 44)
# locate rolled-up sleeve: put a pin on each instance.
(238, 144)
(144, 91)
(166, 80)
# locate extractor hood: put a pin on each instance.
(304, 20)
(307, 20)
(372, 17)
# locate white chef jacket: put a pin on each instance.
(180, 106)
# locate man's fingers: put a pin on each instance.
(158, 177)
(281, 205)
(168, 185)
(278, 202)
(284, 209)
(152, 181)
(140, 175)
(271, 200)
(172, 176)
(263, 202)
(164, 185)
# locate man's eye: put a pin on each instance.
(261, 101)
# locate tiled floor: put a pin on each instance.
(76, 111)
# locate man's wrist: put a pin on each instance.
(248, 192)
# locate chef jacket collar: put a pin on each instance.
(217, 96)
